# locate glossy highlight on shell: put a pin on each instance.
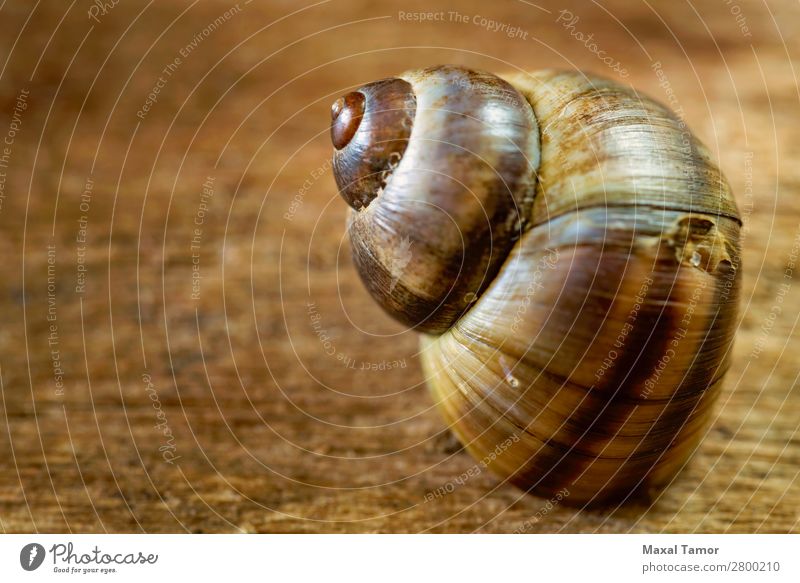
(569, 252)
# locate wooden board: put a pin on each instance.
(183, 334)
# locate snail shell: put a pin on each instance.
(570, 253)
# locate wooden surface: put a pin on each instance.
(244, 408)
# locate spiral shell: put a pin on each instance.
(574, 266)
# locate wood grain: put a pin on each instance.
(271, 394)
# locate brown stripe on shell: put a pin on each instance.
(645, 345)
(711, 358)
(625, 193)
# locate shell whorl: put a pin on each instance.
(439, 199)
(596, 344)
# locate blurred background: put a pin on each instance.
(184, 343)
